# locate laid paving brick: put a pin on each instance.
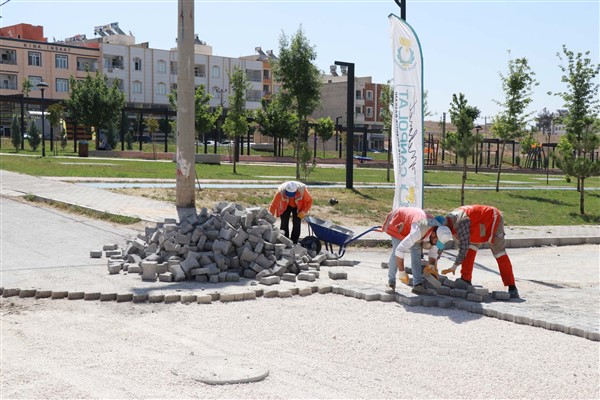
(555, 326)
(335, 275)
(429, 302)
(474, 297)
(507, 317)
(238, 296)
(271, 293)
(295, 291)
(591, 335)
(458, 293)
(349, 292)
(75, 295)
(449, 282)
(337, 289)
(91, 296)
(43, 294)
(156, 298)
(305, 291)
(251, 295)
(284, 293)
(411, 301)
(227, 297)
(215, 296)
(444, 290)
(24, 293)
(10, 292)
(139, 298)
(500, 295)
(480, 291)
(108, 296)
(188, 298)
(259, 292)
(386, 297)
(444, 303)
(172, 298)
(204, 299)
(576, 332)
(95, 253)
(371, 295)
(523, 320)
(124, 297)
(306, 276)
(325, 289)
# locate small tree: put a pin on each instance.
(152, 125)
(517, 87)
(545, 119)
(307, 162)
(463, 141)
(300, 79)
(15, 134)
(581, 121)
(236, 122)
(34, 138)
(129, 140)
(324, 129)
(56, 113)
(275, 119)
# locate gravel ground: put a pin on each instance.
(320, 346)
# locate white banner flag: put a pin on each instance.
(407, 115)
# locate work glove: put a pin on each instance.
(432, 270)
(451, 269)
(301, 215)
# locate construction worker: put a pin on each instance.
(473, 226)
(292, 198)
(409, 227)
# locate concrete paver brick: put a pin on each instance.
(284, 293)
(95, 253)
(501, 295)
(91, 296)
(305, 291)
(24, 293)
(156, 298)
(140, 298)
(108, 296)
(43, 294)
(124, 297)
(75, 295)
(61, 294)
(172, 298)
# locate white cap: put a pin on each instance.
(291, 187)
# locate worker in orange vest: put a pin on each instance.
(409, 227)
(292, 198)
(473, 226)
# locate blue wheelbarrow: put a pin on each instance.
(330, 234)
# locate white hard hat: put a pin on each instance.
(444, 235)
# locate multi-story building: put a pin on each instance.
(145, 75)
(367, 107)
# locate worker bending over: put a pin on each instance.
(292, 198)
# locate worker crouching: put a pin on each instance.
(291, 199)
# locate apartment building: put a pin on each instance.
(145, 75)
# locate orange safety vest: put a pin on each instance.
(302, 201)
(484, 221)
(399, 221)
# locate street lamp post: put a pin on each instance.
(349, 122)
(42, 86)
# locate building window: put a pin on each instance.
(369, 95)
(253, 75)
(359, 95)
(358, 109)
(137, 87)
(266, 89)
(137, 64)
(173, 65)
(161, 66)
(8, 57)
(369, 111)
(161, 88)
(216, 72)
(62, 85)
(200, 71)
(61, 61)
(34, 81)
(266, 74)
(35, 58)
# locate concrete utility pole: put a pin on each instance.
(186, 158)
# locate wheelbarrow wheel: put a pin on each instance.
(311, 243)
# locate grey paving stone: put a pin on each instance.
(250, 295)
(284, 293)
(172, 298)
(59, 294)
(204, 299)
(501, 295)
(156, 298)
(227, 297)
(75, 295)
(139, 298)
(25, 293)
(91, 296)
(43, 294)
(10, 292)
(325, 289)
(271, 293)
(305, 291)
(108, 296)
(124, 297)
(386, 297)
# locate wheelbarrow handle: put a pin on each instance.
(352, 239)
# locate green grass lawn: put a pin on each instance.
(535, 206)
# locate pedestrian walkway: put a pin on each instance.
(15, 184)
(560, 293)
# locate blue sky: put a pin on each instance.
(464, 43)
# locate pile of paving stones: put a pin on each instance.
(224, 244)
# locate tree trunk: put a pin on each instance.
(298, 139)
(500, 165)
(581, 199)
(464, 180)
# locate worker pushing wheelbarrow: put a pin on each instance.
(330, 234)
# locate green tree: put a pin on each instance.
(15, 134)
(545, 119)
(463, 141)
(387, 95)
(276, 120)
(205, 120)
(34, 138)
(517, 87)
(236, 122)
(26, 87)
(152, 125)
(581, 121)
(95, 104)
(56, 113)
(324, 129)
(300, 79)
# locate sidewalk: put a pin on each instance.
(15, 184)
